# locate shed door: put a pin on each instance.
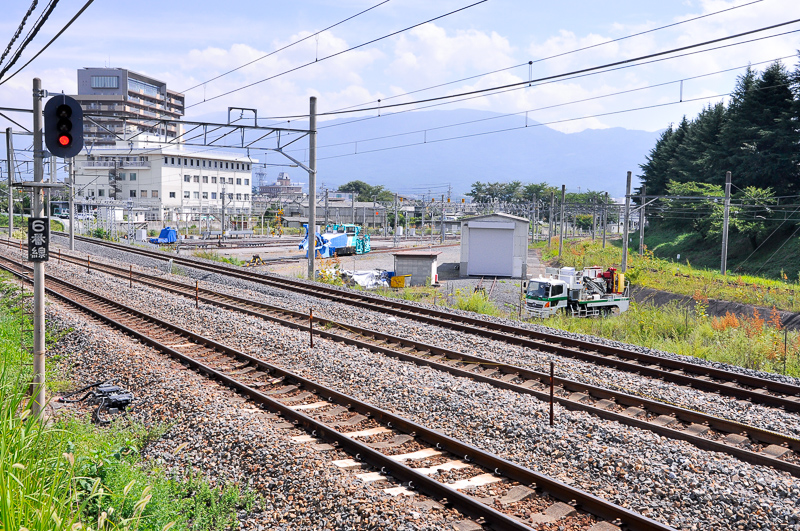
(491, 252)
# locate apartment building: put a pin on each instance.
(122, 101)
(167, 182)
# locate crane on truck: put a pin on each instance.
(590, 292)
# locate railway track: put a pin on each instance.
(747, 443)
(373, 436)
(706, 378)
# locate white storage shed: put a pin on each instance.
(494, 245)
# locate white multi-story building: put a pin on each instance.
(167, 182)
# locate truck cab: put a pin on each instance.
(545, 296)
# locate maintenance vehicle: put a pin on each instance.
(590, 292)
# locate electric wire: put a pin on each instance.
(336, 54)
(63, 29)
(285, 47)
(556, 55)
(31, 34)
(572, 73)
(19, 30)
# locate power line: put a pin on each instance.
(285, 47)
(572, 73)
(19, 30)
(338, 53)
(556, 55)
(31, 34)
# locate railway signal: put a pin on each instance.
(63, 126)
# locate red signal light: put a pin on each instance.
(64, 140)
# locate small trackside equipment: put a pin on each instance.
(108, 397)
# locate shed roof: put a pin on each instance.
(418, 254)
(497, 214)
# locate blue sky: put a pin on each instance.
(185, 43)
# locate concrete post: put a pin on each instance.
(10, 161)
(312, 184)
(605, 219)
(561, 231)
(550, 218)
(724, 265)
(624, 265)
(641, 220)
(71, 193)
(39, 400)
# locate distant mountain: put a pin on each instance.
(595, 159)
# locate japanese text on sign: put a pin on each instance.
(38, 239)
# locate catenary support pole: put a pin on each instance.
(643, 200)
(605, 219)
(312, 184)
(561, 230)
(594, 216)
(10, 165)
(71, 192)
(624, 265)
(326, 207)
(550, 218)
(724, 265)
(394, 235)
(441, 229)
(38, 402)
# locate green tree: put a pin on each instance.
(367, 192)
(703, 214)
(753, 218)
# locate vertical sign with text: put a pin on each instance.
(38, 239)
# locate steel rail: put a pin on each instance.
(468, 504)
(442, 359)
(692, 375)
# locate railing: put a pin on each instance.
(120, 164)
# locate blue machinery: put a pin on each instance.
(341, 240)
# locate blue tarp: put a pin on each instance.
(168, 235)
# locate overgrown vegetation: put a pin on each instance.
(216, 257)
(70, 474)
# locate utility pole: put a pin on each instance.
(71, 193)
(442, 227)
(641, 220)
(394, 236)
(561, 231)
(594, 215)
(550, 218)
(49, 209)
(353, 207)
(38, 396)
(222, 227)
(724, 265)
(605, 219)
(326, 207)
(624, 266)
(312, 183)
(10, 161)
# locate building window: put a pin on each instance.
(191, 162)
(101, 192)
(248, 167)
(230, 196)
(247, 181)
(204, 164)
(226, 165)
(186, 194)
(173, 160)
(105, 82)
(197, 195)
(133, 193)
(196, 178)
(154, 194)
(238, 197)
(213, 195)
(166, 160)
(133, 176)
(237, 165)
(187, 178)
(205, 195)
(120, 176)
(238, 181)
(144, 193)
(185, 163)
(215, 163)
(214, 180)
(172, 195)
(230, 180)
(91, 193)
(205, 179)
(247, 197)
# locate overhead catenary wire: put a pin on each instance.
(31, 34)
(565, 74)
(287, 46)
(338, 53)
(19, 30)
(60, 32)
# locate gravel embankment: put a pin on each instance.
(669, 480)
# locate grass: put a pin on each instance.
(70, 474)
(216, 257)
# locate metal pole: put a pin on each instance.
(643, 200)
(326, 207)
(196, 293)
(394, 236)
(130, 274)
(311, 327)
(561, 231)
(312, 184)
(53, 168)
(71, 203)
(353, 208)
(550, 218)
(10, 161)
(724, 266)
(594, 215)
(441, 230)
(624, 265)
(38, 402)
(605, 219)
(552, 390)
